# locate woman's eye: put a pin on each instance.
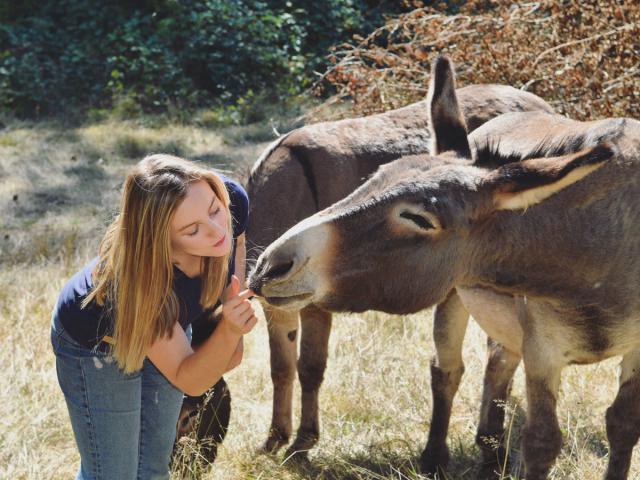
(215, 212)
(191, 234)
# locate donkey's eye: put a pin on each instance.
(419, 220)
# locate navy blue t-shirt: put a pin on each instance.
(89, 325)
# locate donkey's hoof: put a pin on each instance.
(434, 460)
(296, 454)
(274, 442)
(305, 440)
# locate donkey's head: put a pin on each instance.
(403, 240)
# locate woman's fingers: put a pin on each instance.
(248, 293)
(239, 310)
(243, 307)
(232, 289)
(240, 314)
(245, 316)
(239, 298)
(248, 326)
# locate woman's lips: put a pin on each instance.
(220, 242)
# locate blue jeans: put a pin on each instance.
(124, 425)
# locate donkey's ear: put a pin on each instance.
(448, 129)
(520, 185)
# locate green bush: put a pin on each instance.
(58, 56)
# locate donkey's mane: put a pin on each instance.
(490, 154)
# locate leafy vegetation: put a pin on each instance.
(58, 56)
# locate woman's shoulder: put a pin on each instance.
(81, 283)
(239, 204)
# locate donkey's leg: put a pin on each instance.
(314, 345)
(542, 438)
(501, 366)
(283, 328)
(450, 325)
(623, 418)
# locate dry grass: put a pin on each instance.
(61, 187)
(375, 401)
(58, 190)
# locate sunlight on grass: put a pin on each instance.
(375, 402)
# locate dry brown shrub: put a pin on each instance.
(583, 57)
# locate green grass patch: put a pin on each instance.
(8, 141)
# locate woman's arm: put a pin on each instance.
(236, 358)
(195, 372)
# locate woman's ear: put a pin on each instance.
(519, 185)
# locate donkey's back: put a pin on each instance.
(316, 165)
(517, 136)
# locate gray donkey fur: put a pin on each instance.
(309, 169)
(544, 253)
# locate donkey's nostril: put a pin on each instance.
(279, 270)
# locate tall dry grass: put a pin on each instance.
(59, 188)
(375, 401)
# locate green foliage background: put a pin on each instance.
(62, 56)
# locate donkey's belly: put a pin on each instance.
(496, 314)
(572, 339)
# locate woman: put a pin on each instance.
(121, 326)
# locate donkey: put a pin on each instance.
(544, 253)
(309, 169)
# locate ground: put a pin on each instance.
(59, 188)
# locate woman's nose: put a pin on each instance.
(216, 229)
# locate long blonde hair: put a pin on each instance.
(134, 274)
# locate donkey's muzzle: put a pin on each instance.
(269, 273)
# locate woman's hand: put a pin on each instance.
(238, 315)
(195, 373)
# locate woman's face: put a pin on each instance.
(200, 225)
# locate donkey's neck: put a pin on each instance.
(549, 252)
